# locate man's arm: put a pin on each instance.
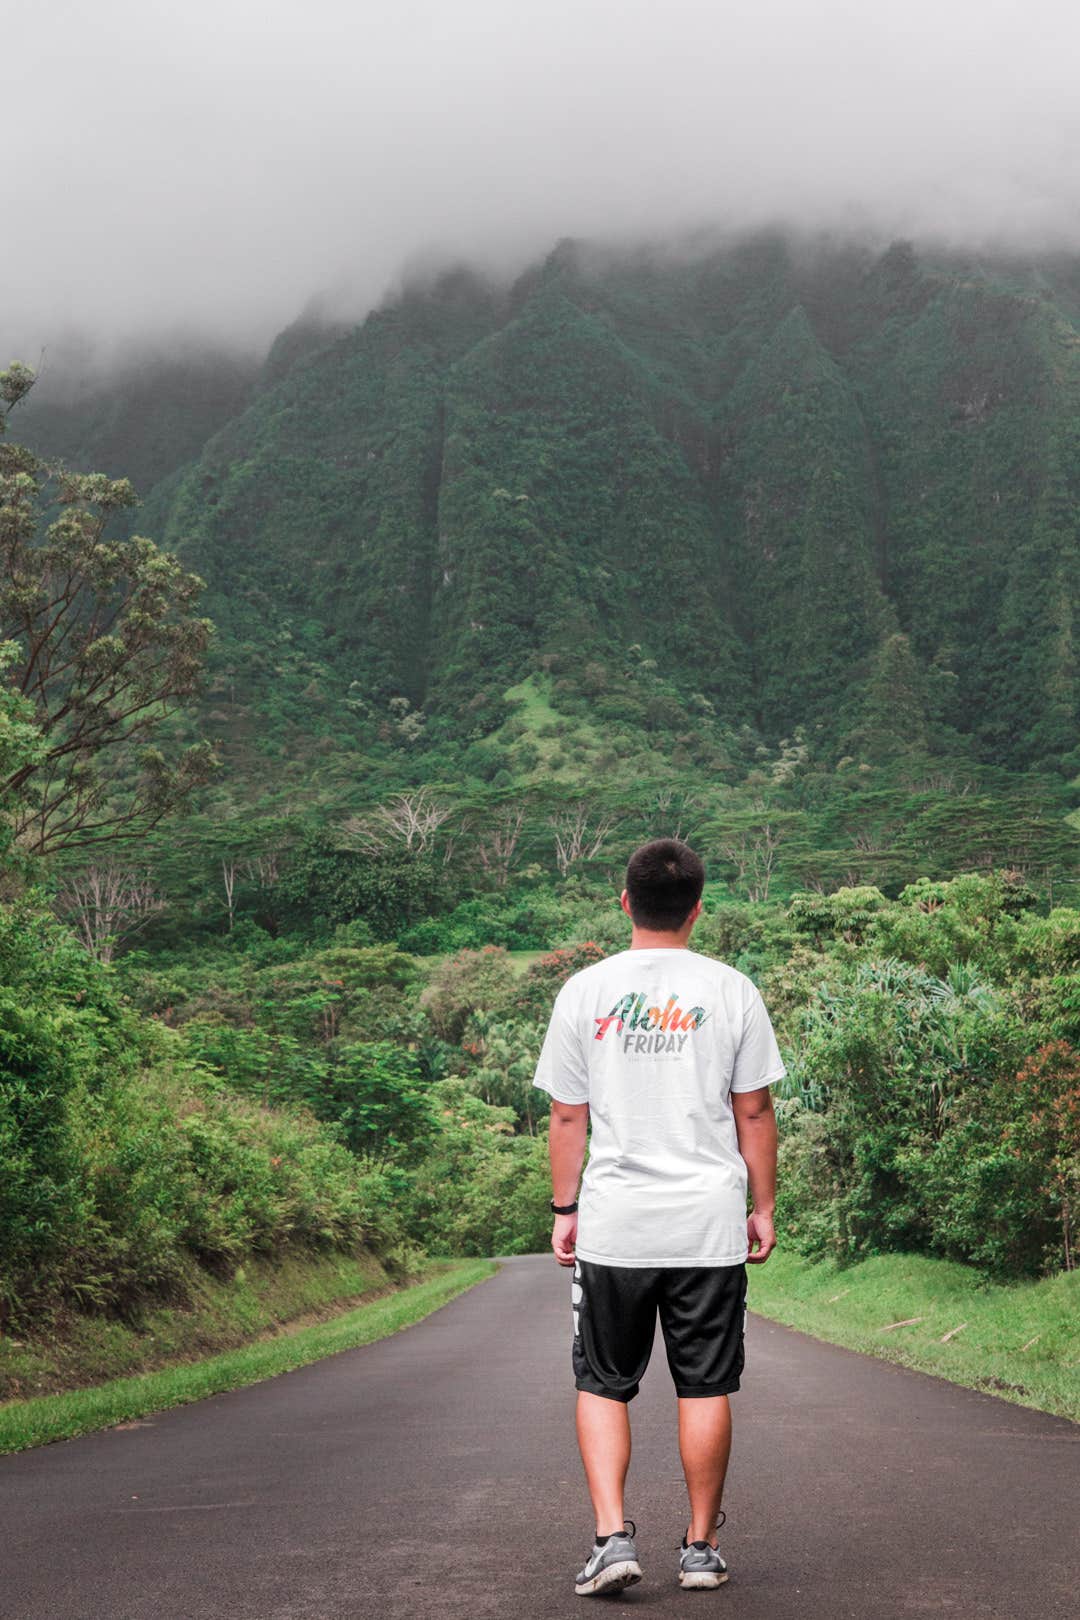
(755, 1124)
(566, 1147)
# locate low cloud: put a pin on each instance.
(207, 169)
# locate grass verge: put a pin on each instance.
(1020, 1341)
(28, 1423)
(71, 1349)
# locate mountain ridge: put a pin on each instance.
(758, 468)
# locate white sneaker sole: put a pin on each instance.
(700, 1580)
(612, 1579)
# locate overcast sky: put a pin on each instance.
(211, 165)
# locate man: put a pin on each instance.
(670, 1055)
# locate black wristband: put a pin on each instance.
(564, 1209)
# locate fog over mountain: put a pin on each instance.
(208, 169)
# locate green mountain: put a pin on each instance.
(708, 502)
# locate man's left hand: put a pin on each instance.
(563, 1238)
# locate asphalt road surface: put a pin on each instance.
(435, 1474)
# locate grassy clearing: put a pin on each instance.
(1020, 1341)
(564, 743)
(522, 961)
(25, 1423)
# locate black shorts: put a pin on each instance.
(702, 1316)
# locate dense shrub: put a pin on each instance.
(481, 1189)
(523, 922)
(125, 1162)
(388, 892)
(970, 918)
(749, 935)
(377, 1095)
(1004, 1186)
(63, 1037)
(910, 1123)
(545, 978)
(466, 983)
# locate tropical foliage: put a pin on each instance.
(770, 549)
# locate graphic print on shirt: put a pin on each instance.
(650, 1031)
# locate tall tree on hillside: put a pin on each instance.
(1036, 672)
(109, 646)
(894, 705)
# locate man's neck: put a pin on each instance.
(651, 939)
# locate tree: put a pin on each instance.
(894, 709)
(410, 821)
(505, 1052)
(578, 837)
(109, 646)
(20, 742)
(388, 890)
(378, 1095)
(497, 843)
(108, 902)
(752, 852)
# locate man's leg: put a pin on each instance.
(704, 1446)
(603, 1431)
(702, 1312)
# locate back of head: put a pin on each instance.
(664, 880)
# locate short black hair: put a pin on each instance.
(664, 880)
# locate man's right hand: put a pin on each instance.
(563, 1238)
(760, 1230)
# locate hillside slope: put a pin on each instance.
(767, 487)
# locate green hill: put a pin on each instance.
(716, 498)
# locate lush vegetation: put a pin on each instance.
(702, 503)
(932, 1102)
(1014, 1340)
(127, 1162)
(772, 550)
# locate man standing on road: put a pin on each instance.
(670, 1055)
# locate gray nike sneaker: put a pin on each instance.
(700, 1564)
(611, 1567)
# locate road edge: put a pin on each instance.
(25, 1424)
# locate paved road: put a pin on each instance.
(435, 1474)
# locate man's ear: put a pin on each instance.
(696, 913)
(624, 901)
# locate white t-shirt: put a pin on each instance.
(655, 1040)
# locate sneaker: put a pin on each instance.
(612, 1566)
(700, 1564)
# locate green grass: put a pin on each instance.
(532, 704)
(575, 743)
(59, 1417)
(522, 961)
(1020, 1341)
(72, 1349)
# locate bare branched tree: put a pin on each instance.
(578, 836)
(497, 844)
(874, 841)
(408, 820)
(229, 866)
(753, 855)
(263, 872)
(107, 903)
(672, 809)
(264, 869)
(452, 837)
